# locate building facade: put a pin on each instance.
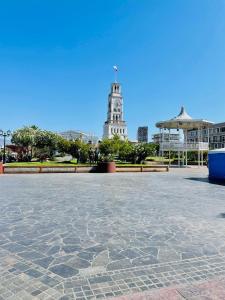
(72, 135)
(115, 124)
(166, 137)
(215, 136)
(142, 134)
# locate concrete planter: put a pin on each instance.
(107, 167)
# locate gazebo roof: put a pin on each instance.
(183, 115)
(184, 121)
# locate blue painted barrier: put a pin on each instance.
(216, 164)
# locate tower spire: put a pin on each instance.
(115, 68)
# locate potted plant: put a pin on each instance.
(106, 162)
(1, 168)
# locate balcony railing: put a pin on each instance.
(182, 146)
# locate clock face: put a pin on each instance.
(117, 103)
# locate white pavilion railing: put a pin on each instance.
(182, 146)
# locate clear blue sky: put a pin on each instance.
(56, 61)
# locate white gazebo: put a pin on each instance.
(185, 123)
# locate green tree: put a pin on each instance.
(84, 153)
(106, 150)
(75, 148)
(116, 143)
(45, 143)
(25, 138)
(142, 151)
(63, 145)
(125, 151)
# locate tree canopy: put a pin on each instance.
(43, 144)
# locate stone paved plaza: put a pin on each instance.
(92, 236)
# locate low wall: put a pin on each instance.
(48, 169)
(154, 168)
(79, 169)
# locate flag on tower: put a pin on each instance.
(115, 68)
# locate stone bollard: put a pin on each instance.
(1, 168)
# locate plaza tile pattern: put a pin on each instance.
(92, 236)
(212, 289)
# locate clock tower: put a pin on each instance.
(115, 125)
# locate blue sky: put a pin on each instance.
(56, 61)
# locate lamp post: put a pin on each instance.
(4, 134)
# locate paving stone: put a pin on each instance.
(44, 262)
(64, 270)
(14, 247)
(146, 260)
(71, 248)
(33, 273)
(78, 263)
(21, 266)
(47, 280)
(31, 255)
(102, 259)
(120, 264)
(112, 236)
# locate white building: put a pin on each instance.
(115, 125)
(72, 135)
(214, 135)
(167, 137)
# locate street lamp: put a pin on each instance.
(4, 134)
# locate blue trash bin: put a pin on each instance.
(216, 164)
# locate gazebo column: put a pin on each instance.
(186, 148)
(169, 148)
(160, 142)
(183, 146)
(163, 145)
(199, 158)
(208, 136)
(183, 157)
(179, 158)
(201, 152)
(202, 147)
(179, 149)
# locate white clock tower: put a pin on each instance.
(115, 125)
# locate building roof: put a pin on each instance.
(184, 121)
(183, 115)
(221, 150)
